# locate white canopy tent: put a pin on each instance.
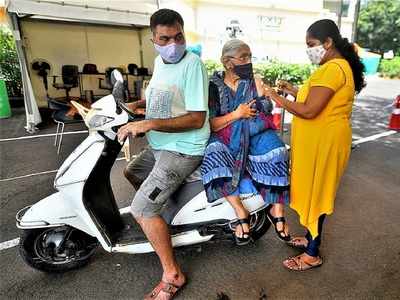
(106, 12)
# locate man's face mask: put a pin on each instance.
(244, 71)
(171, 53)
(315, 54)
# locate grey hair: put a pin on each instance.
(231, 47)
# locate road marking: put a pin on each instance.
(42, 135)
(29, 175)
(48, 172)
(9, 244)
(374, 137)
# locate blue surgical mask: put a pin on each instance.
(171, 53)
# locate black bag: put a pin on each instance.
(143, 72)
(89, 69)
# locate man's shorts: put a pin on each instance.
(161, 173)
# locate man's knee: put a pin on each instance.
(143, 208)
(132, 178)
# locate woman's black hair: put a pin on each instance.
(166, 17)
(325, 28)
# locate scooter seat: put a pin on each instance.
(195, 176)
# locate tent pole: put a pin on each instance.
(31, 109)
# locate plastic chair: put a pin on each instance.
(106, 85)
(70, 78)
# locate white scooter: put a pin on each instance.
(62, 231)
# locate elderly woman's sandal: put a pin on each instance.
(281, 234)
(298, 263)
(245, 238)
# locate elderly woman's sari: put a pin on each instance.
(247, 156)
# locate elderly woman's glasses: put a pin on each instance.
(243, 58)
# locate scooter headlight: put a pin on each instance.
(99, 120)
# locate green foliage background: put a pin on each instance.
(379, 26)
(9, 65)
(273, 70)
(390, 67)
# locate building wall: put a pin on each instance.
(77, 44)
(273, 29)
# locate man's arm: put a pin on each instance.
(189, 121)
(137, 104)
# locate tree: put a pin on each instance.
(9, 65)
(379, 26)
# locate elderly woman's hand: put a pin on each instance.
(245, 111)
(259, 85)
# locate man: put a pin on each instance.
(177, 130)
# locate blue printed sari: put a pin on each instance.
(247, 156)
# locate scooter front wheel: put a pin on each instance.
(56, 249)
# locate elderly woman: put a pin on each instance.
(244, 154)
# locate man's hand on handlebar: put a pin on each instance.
(136, 107)
(134, 129)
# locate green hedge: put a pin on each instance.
(390, 67)
(9, 65)
(273, 70)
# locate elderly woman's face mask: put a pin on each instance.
(242, 65)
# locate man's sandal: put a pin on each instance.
(298, 264)
(245, 238)
(166, 287)
(274, 220)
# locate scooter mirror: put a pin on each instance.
(116, 76)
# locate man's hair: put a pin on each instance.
(165, 17)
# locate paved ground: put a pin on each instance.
(361, 242)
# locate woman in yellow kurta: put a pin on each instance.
(321, 133)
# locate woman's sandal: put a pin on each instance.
(280, 233)
(296, 242)
(298, 264)
(165, 287)
(245, 238)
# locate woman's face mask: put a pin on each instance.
(171, 53)
(244, 71)
(316, 53)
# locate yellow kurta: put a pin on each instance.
(320, 147)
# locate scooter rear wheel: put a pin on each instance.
(56, 249)
(259, 224)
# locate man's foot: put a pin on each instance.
(277, 219)
(302, 262)
(167, 288)
(298, 242)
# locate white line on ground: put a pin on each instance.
(9, 244)
(374, 137)
(28, 175)
(47, 172)
(41, 135)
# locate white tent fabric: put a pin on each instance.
(103, 12)
(109, 12)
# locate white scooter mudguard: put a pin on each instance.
(66, 207)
